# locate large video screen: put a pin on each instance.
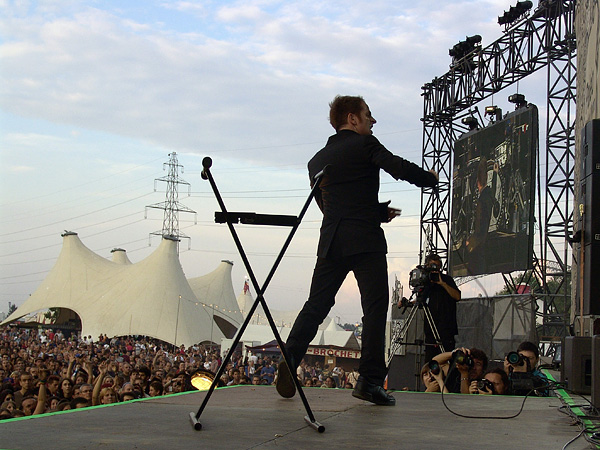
(493, 196)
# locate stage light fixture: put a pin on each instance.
(471, 122)
(494, 112)
(515, 12)
(518, 100)
(202, 379)
(463, 48)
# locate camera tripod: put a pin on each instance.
(399, 333)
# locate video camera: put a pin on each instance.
(421, 275)
(524, 383)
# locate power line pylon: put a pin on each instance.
(171, 206)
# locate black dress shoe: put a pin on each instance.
(285, 383)
(372, 393)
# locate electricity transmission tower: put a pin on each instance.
(171, 206)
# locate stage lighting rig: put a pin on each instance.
(494, 112)
(471, 122)
(465, 47)
(461, 53)
(515, 12)
(518, 100)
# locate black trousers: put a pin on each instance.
(370, 271)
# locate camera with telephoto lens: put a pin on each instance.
(485, 385)
(434, 367)
(461, 357)
(515, 359)
(421, 276)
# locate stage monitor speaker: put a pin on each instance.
(576, 369)
(403, 374)
(596, 371)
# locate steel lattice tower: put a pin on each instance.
(171, 206)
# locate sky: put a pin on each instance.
(95, 96)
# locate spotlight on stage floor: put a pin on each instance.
(202, 379)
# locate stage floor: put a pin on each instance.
(256, 417)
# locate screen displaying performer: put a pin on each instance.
(493, 196)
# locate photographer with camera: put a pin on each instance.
(469, 366)
(433, 376)
(442, 294)
(521, 368)
(494, 382)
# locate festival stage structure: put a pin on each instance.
(256, 417)
(541, 39)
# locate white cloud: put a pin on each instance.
(19, 169)
(96, 94)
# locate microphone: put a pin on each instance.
(206, 163)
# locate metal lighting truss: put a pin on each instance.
(545, 39)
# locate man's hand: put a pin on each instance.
(463, 368)
(43, 375)
(473, 388)
(392, 213)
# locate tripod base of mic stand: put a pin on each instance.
(197, 425)
(314, 424)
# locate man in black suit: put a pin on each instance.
(476, 243)
(352, 240)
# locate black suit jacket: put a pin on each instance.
(349, 192)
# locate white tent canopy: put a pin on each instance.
(151, 297)
(281, 318)
(261, 334)
(120, 256)
(215, 291)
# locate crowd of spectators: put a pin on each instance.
(44, 371)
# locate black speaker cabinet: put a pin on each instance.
(576, 369)
(590, 148)
(403, 373)
(590, 198)
(596, 371)
(591, 280)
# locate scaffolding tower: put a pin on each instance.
(542, 39)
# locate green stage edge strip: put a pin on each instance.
(88, 408)
(568, 400)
